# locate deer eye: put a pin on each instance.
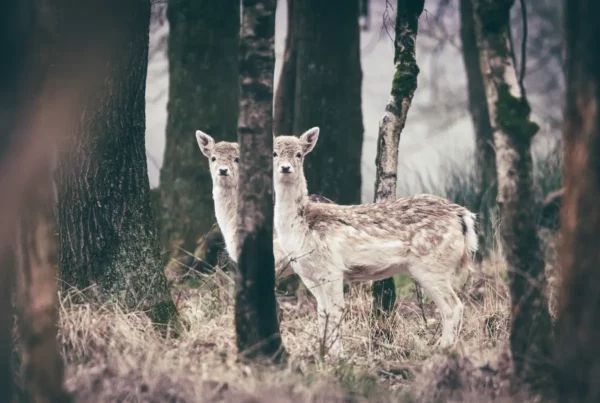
(274, 154)
(213, 159)
(236, 160)
(299, 155)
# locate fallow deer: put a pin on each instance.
(427, 236)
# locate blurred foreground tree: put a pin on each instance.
(404, 85)
(256, 322)
(27, 250)
(320, 85)
(531, 328)
(485, 166)
(578, 328)
(107, 229)
(203, 94)
(36, 103)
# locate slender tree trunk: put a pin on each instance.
(107, 229)
(328, 95)
(404, 85)
(530, 333)
(578, 328)
(283, 122)
(485, 166)
(256, 323)
(203, 94)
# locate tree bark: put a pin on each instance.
(107, 230)
(256, 322)
(328, 95)
(404, 85)
(283, 122)
(531, 329)
(203, 94)
(485, 166)
(578, 327)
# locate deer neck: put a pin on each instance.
(289, 200)
(225, 199)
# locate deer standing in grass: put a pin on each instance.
(427, 236)
(223, 163)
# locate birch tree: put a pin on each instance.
(404, 85)
(509, 111)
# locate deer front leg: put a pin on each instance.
(333, 290)
(330, 308)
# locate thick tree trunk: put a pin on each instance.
(328, 95)
(485, 166)
(530, 333)
(107, 229)
(256, 323)
(203, 94)
(578, 328)
(283, 121)
(404, 85)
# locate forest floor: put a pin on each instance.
(116, 356)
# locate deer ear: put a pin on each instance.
(309, 140)
(205, 142)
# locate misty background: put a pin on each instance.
(438, 133)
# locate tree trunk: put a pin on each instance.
(203, 94)
(404, 85)
(283, 122)
(37, 269)
(578, 328)
(328, 95)
(256, 323)
(530, 333)
(485, 157)
(31, 119)
(107, 229)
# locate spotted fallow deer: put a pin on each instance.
(427, 236)
(223, 163)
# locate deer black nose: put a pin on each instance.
(223, 171)
(285, 169)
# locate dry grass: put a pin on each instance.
(118, 356)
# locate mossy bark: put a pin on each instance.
(404, 84)
(107, 229)
(203, 94)
(578, 328)
(328, 95)
(531, 327)
(256, 322)
(485, 157)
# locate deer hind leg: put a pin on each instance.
(439, 289)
